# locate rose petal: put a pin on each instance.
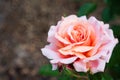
(68, 49)
(106, 26)
(51, 34)
(97, 56)
(71, 46)
(97, 66)
(66, 52)
(51, 54)
(82, 48)
(80, 55)
(83, 18)
(69, 32)
(61, 39)
(94, 50)
(110, 34)
(96, 25)
(66, 22)
(110, 47)
(80, 66)
(54, 66)
(64, 60)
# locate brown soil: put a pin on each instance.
(23, 31)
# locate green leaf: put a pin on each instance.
(66, 75)
(82, 73)
(114, 64)
(100, 76)
(114, 5)
(86, 9)
(107, 15)
(115, 71)
(96, 76)
(47, 71)
(116, 30)
(105, 76)
(106, 1)
(115, 56)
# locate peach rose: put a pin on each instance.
(87, 44)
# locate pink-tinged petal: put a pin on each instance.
(71, 46)
(82, 48)
(111, 47)
(66, 22)
(95, 49)
(106, 26)
(70, 52)
(83, 18)
(64, 61)
(97, 66)
(68, 60)
(80, 66)
(49, 53)
(110, 34)
(68, 49)
(92, 20)
(100, 28)
(69, 32)
(52, 31)
(80, 55)
(54, 66)
(70, 18)
(51, 34)
(104, 53)
(62, 39)
(96, 25)
(106, 50)
(97, 56)
(66, 52)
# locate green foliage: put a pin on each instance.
(115, 71)
(82, 73)
(86, 9)
(115, 56)
(47, 71)
(65, 76)
(105, 76)
(100, 76)
(107, 15)
(106, 1)
(114, 64)
(114, 5)
(116, 30)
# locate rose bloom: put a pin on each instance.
(87, 44)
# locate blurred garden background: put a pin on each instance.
(23, 32)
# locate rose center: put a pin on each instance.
(78, 33)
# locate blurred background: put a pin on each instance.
(23, 32)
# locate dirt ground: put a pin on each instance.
(23, 31)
